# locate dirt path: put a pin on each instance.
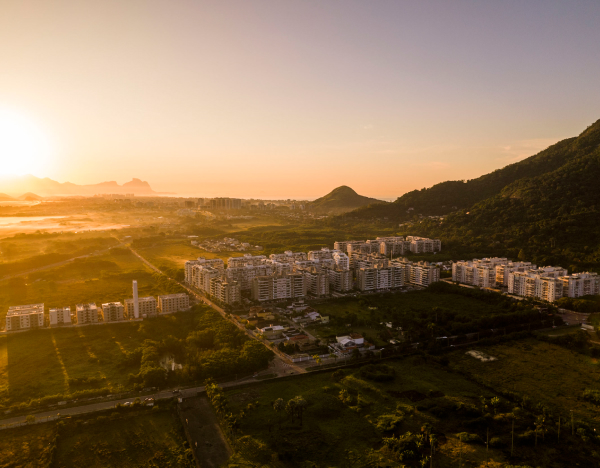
(204, 433)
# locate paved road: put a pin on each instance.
(204, 299)
(105, 405)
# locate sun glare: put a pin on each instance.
(24, 148)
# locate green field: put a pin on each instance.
(152, 438)
(40, 363)
(546, 373)
(100, 279)
(331, 428)
(443, 310)
(173, 253)
(29, 446)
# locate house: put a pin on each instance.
(272, 332)
(298, 339)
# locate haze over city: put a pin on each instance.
(290, 99)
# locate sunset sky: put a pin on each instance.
(291, 98)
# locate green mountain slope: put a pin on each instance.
(552, 216)
(446, 197)
(340, 200)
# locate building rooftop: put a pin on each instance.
(26, 309)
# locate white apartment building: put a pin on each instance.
(189, 267)
(246, 260)
(24, 317)
(245, 274)
(147, 307)
(86, 313)
(317, 282)
(324, 253)
(171, 303)
(113, 312)
(288, 257)
(227, 292)
(393, 245)
(273, 287)
(340, 280)
(502, 271)
(368, 247)
(60, 316)
(478, 272)
(378, 279)
(202, 276)
(343, 246)
(419, 273)
(341, 260)
(358, 261)
(581, 284)
(282, 268)
(424, 245)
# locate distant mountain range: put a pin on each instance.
(341, 200)
(545, 208)
(48, 187)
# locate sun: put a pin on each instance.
(24, 147)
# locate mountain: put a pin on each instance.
(46, 187)
(545, 208)
(5, 197)
(29, 197)
(340, 200)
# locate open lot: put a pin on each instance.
(40, 363)
(545, 373)
(100, 279)
(30, 446)
(342, 428)
(153, 438)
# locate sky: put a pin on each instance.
(290, 99)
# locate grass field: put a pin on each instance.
(546, 373)
(29, 446)
(173, 253)
(138, 440)
(100, 279)
(367, 313)
(40, 363)
(330, 429)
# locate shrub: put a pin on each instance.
(389, 422)
(338, 375)
(378, 372)
(468, 438)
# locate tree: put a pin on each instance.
(279, 407)
(317, 359)
(301, 405)
(30, 419)
(290, 409)
(254, 451)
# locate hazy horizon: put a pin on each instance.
(259, 99)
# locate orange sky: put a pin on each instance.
(291, 99)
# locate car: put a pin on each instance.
(127, 403)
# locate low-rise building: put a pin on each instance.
(171, 303)
(113, 312)
(272, 332)
(25, 317)
(59, 316)
(147, 307)
(86, 313)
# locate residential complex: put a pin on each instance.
(24, 317)
(113, 312)
(171, 303)
(86, 313)
(146, 307)
(60, 316)
(351, 264)
(525, 279)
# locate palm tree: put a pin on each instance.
(300, 404)
(279, 406)
(290, 408)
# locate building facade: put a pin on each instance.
(86, 313)
(59, 316)
(25, 317)
(171, 303)
(113, 312)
